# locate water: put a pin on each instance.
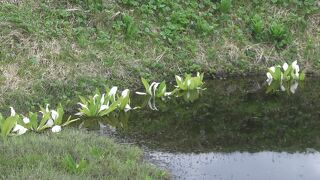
(232, 130)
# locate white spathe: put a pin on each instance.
(155, 87)
(103, 107)
(12, 111)
(141, 93)
(54, 115)
(47, 107)
(56, 129)
(19, 130)
(26, 120)
(83, 105)
(127, 108)
(269, 78)
(113, 91)
(125, 93)
(94, 98)
(102, 99)
(285, 66)
(50, 123)
(273, 69)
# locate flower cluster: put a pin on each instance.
(285, 72)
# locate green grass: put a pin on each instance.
(42, 156)
(52, 51)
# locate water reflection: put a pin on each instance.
(232, 130)
(241, 166)
(231, 115)
(290, 87)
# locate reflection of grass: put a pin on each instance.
(232, 116)
(34, 156)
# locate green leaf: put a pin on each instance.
(146, 85)
(302, 76)
(162, 89)
(8, 125)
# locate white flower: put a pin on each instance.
(151, 86)
(50, 123)
(295, 68)
(102, 99)
(13, 112)
(19, 129)
(94, 98)
(54, 115)
(273, 69)
(47, 107)
(294, 87)
(127, 108)
(125, 93)
(103, 107)
(113, 91)
(155, 86)
(79, 114)
(26, 120)
(141, 93)
(285, 66)
(179, 78)
(269, 80)
(83, 106)
(56, 129)
(282, 88)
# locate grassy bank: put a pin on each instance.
(52, 51)
(35, 156)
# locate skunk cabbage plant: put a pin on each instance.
(96, 106)
(10, 126)
(154, 89)
(189, 82)
(286, 73)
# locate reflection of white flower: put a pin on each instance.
(56, 129)
(294, 87)
(50, 123)
(26, 120)
(19, 129)
(285, 66)
(13, 112)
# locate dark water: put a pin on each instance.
(232, 130)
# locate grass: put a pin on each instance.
(43, 156)
(52, 51)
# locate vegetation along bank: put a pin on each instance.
(53, 51)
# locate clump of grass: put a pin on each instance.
(35, 156)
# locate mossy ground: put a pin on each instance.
(52, 51)
(41, 156)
